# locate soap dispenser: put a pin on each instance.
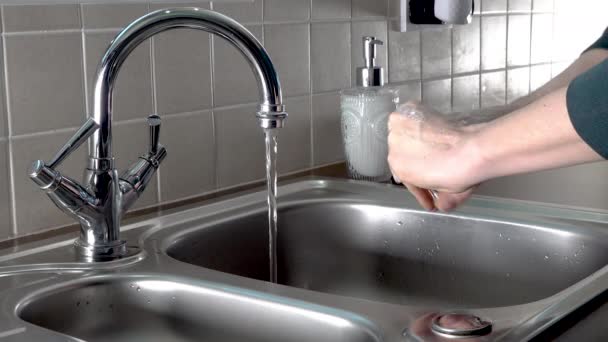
(364, 118)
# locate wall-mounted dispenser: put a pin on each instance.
(416, 14)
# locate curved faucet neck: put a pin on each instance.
(271, 112)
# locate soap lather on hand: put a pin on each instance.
(426, 151)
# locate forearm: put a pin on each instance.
(535, 132)
(538, 136)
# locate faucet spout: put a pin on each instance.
(271, 111)
(99, 239)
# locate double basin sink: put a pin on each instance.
(356, 262)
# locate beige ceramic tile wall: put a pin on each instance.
(206, 93)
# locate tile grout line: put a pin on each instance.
(468, 73)
(81, 16)
(507, 49)
(531, 30)
(3, 24)
(481, 35)
(387, 67)
(41, 32)
(216, 173)
(11, 161)
(311, 137)
(258, 23)
(44, 133)
(530, 60)
(421, 70)
(102, 29)
(552, 43)
(87, 100)
(84, 67)
(554, 9)
(352, 20)
(350, 54)
(451, 69)
(214, 134)
(85, 86)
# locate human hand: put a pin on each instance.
(431, 156)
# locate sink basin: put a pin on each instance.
(373, 247)
(160, 309)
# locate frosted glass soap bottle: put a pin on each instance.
(365, 110)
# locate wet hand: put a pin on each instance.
(431, 156)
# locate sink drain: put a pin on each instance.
(460, 325)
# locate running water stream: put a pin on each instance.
(271, 179)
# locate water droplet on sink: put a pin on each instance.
(149, 301)
(497, 253)
(500, 235)
(173, 298)
(77, 303)
(132, 286)
(400, 223)
(546, 257)
(138, 289)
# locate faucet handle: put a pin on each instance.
(133, 182)
(74, 143)
(154, 122)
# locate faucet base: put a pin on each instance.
(107, 252)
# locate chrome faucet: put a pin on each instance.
(105, 197)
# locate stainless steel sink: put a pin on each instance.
(157, 308)
(357, 262)
(392, 254)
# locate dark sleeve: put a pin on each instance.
(601, 43)
(587, 101)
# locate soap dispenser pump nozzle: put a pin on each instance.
(370, 75)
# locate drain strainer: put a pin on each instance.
(460, 325)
